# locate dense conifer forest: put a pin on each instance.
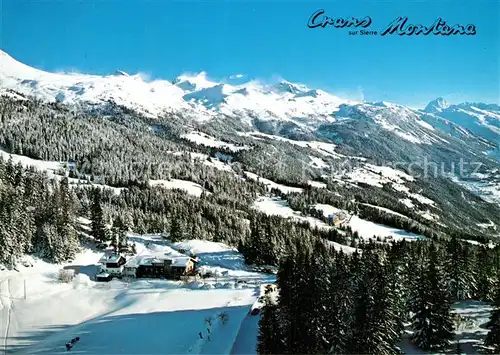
(333, 303)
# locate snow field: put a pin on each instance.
(367, 230)
(279, 207)
(272, 185)
(190, 187)
(204, 139)
(325, 149)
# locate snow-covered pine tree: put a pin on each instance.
(317, 300)
(459, 268)
(49, 242)
(492, 341)
(395, 272)
(300, 311)
(65, 220)
(485, 270)
(295, 312)
(118, 234)
(99, 230)
(269, 337)
(114, 237)
(177, 229)
(375, 328)
(432, 322)
(13, 238)
(6, 241)
(287, 288)
(339, 301)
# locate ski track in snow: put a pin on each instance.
(246, 340)
(9, 304)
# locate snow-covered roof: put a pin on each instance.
(339, 213)
(110, 258)
(148, 260)
(177, 261)
(181, 261)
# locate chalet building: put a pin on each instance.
(165, 267)
(112, 264)
(130, 270)
(158, 265)
(337, 218)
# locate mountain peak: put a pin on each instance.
(192, 82)
(285, 86)
(436, 105)
(120, 73)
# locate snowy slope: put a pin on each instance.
(326, 149)
(369, 230)
(54, 169)
(188, 186)
(273, 185)
(279, 207)
(49, 166)
(404, 122)
(206, 140)
(379, 175)
(159, 322)
(436, 105)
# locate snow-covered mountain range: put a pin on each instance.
(192, 94)
(283, 103)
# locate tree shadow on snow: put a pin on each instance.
(172, 332)
(229, 259)
(156, 240)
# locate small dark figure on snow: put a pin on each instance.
(69, 344)
(201, 336)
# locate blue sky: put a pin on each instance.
(265, 39)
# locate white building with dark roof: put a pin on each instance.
(160, 265)
(112, 264)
